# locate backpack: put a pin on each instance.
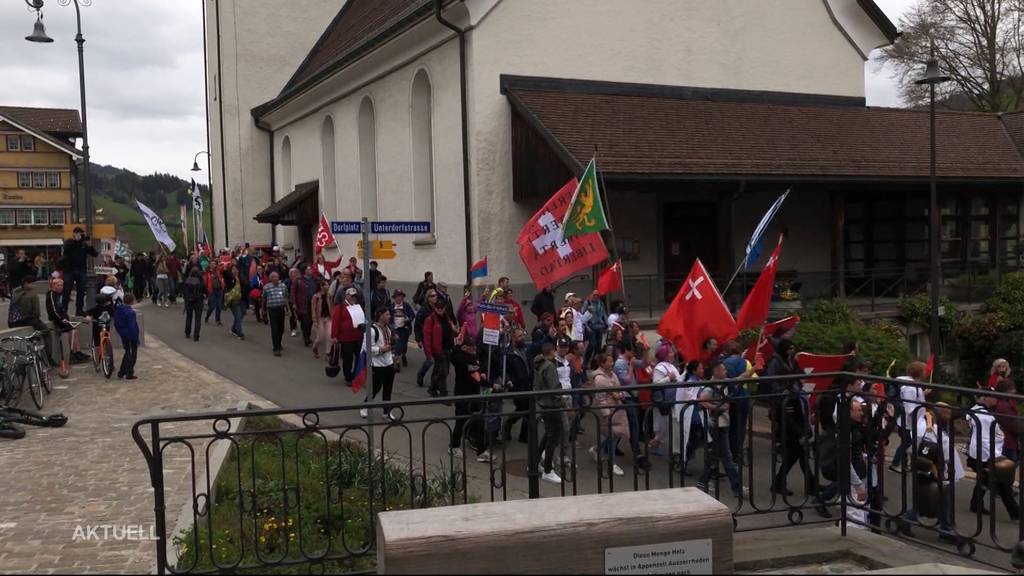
(192, 290)
(233, 295)
(929, 454)
(333, 361)
(14, 314)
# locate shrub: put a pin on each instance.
(976, 338)
(1008, 299)
(748, 336)
(830, 313)
(918, 310)
(880, 344)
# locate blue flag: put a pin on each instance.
(754, 245)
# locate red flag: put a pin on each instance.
(324, 237)
(764, 345)
(930, 367)
(755, 308)
(547, 256)
(697, 313)
(816, 363)
(610, 279)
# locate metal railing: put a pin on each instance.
(307, 493)
(869, 291)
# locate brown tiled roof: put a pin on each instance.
(59, 122)
(359, 25)
(687, 136)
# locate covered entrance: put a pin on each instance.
(300, 209)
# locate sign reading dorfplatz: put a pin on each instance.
(354, 227)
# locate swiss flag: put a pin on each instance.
(763, 345)
(324, 237)
(697, 313)
(610, 279)
(755, 308)
(817, 363)
(547, 256)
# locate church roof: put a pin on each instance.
(363, 25)
(667, 132)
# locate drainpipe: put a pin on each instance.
(220, 119)
(465, 130)
(273, 179)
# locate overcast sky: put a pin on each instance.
(144, 76)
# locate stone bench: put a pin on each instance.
(673, 531)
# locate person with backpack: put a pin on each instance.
(984, 456)
(382, 342)
(401, 323)
(663, 399)
(193, 291)
(24, 311)
(911, 402)
(127, 326)
(597, 324)
(233, 299)
(713, 398)
(545, 378)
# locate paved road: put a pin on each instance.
(296, 380)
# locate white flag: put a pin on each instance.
(195, 189)
(157, 226)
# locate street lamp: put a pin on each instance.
(195, 161)
(933, 77)
(39, 35)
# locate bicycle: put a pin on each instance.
(16, 366)
(103, 355)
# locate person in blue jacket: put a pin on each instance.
(127, 327)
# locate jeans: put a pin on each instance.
(401, 341)
(719, 450)
(76, 279)
(383, 380)
(439, 375)
(792, 453)
(740, 413)
(193, 310)
(632, 405)
(596, 338)
(307, 328)
(349, 352)
(214, 302)
(172, 288)
(131, 353)
(552, 436)
(428, 363)
(163, 289)
(236, 314)
(276, 316)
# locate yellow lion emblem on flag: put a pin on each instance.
(581, 217)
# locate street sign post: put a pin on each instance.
(400, 228)
(346, 227)
(380, 249)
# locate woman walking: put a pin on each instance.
(233, 299)
(611, 414)
(402, 316)
(321, 319)
(214, 280)
(383, 359)
(163, 282)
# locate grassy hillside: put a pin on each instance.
(115, 192)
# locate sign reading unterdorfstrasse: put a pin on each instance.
(686, 557)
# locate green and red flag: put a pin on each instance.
(585, 214)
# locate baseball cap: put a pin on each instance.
(351, 292)
(108, 290)
(564, 342)
(569, 296)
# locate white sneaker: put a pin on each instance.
(293, 333)
(593, 453)
(617, 471)
(551, 477)
(363, 412)
(455, 452)
(484, 457)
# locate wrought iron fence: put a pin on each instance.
(277, 489)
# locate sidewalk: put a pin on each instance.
(59, 482)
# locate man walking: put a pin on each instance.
(545, 377)
(193, 291)
(275, 298)
(439, 341)
(76, 251)
(346, 331)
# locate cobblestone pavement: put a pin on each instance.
(57, 483)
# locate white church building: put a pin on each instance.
(471, 113)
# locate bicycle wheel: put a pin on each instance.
(35, 386)
(108, 358)
(95, 353)
(43, 369)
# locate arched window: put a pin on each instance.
(422, 147)
(368, 158)
(286, 168)
(328, 188)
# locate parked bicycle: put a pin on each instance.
(23, 365)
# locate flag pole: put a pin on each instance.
(616, 257)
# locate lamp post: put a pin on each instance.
(933, 77)
(39, 35)
(195, 162)
(198, 218)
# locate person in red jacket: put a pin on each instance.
(347, 333)
(438, 342)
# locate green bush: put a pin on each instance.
(830, 313)
(918, 310)
(879, 344)
(1008, 300)
(976, 338)
(748, 336)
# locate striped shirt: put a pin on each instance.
(276, 295)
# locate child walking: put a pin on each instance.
(127, 327)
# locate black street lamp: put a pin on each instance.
(933, 77)
(39, 35)
(195, 161)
